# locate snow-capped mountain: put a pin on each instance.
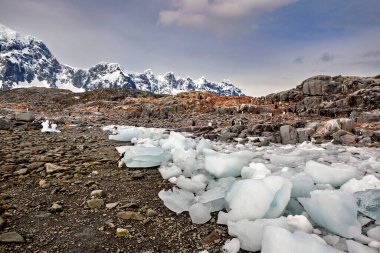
(26, 61)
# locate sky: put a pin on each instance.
(262, 46)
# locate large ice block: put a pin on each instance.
(254, 199)
(177, 200)
(277, 239)
(144, 157)
(226, 165)
(334, 210)
(335, 176)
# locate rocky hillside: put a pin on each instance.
(26, 61)
(315, 110)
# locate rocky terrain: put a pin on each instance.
(65, 193)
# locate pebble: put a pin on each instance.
(128, 215)
(42, 183)
(11, 237)
(97, 193)
(21, 171)
(151, 213)
(95, 203)
(56, 208)
(52, 168)
(123, 232)
(111, 205)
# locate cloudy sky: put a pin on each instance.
(262, 46)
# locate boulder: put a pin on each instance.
(24, 116)
(304, 134)
(344, 137)
(5, 124)
(288, 134)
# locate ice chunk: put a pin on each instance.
(195, 184)
(144, 157)
(180, 155)
(211, 195)
(177, 200)
(203, 144)
(294, 207)
(48, 127)
(168, 172)
(286, 160)
(374, 233)
(323, 174)
(369, 203)
(200, 213)
(225, 182)
(302, 185)
(334, 210)
(250, 233)
(255, 171)
(231, 246)
(276, 239)
(226, 165)
(253, 199)
(355, 247)
(177, 140)
(127, 134)
(366, 183)
(299, 222)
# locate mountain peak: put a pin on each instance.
(25, 63)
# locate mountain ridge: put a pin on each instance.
(27, 62)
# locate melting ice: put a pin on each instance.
(279, 198)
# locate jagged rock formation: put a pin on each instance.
(26, 61)
(332, 96)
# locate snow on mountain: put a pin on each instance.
(26, 61)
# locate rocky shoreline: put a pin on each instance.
(49, 182)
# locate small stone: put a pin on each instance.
(111, 205)
(95, 203)
(52, 168)
(24, 116)
(95, 172)
(151, 213)
(56, 208)
(123, 232)
(97, 193)
(11, 237)
(137, 175)
(21, 171)
(110, 223)
(2, 222)
(128, 215)
(42, 183)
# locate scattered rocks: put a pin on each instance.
(95, 203)
(11, 237)
(128, 215)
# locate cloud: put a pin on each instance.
(220, 16)
(372, 53)
(327, 57)
(298, 60)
